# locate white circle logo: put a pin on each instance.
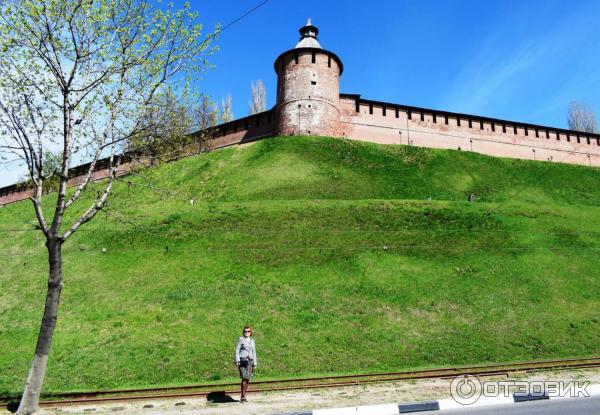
(465, 389)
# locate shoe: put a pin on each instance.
(243, 399)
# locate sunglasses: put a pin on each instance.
(247, 331)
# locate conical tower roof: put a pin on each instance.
(308, 36)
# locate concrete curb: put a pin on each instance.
(403, 408)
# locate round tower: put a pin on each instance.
(308, 88)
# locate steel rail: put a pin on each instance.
(199, 390)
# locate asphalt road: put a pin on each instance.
(573, 406)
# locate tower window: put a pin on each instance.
(470, 123)
(329, 61)
(568, 137)
(314, 57)
(370, 108)
(357, 105)
(578, 139)
(446, 120)
(434, 118)
(526, 132)
(493, 127)
(481, 124)
(409, 114)
(313, 82)
(422, 116)
(458, 121)
(515, 129)
(558, 135)
(537, 133)
(397, 113)
(504, 128)
(384, 111)
(547, 134)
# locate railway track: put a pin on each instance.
(204, 390)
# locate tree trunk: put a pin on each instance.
(35, 379)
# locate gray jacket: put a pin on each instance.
(245, 348)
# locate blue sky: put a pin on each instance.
(515, 60)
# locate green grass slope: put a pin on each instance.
(330, 248)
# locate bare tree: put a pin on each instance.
(78, 77)
(259, 98)
(226, 111)
(581, 118)
(206, 115)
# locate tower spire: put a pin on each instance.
(308, 36)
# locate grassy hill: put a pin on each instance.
(330, 248)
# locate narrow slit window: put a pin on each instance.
(446, 120)
(370, 108)
(515, 128)
(422, 116)
(314, 57)
(409, 114)
(504, 128)
(526, 132)
(470, 123)
(557, 136)
(458, 121)
(537, 133)
(547, 134)
(329, 61)
(493, 127)
(384, 111)
(480, 124)
(397, 113)
(578, 139)
(357, 105)
(568, 137)
(434, 118)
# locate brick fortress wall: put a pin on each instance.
(386, 123)
(243, 130)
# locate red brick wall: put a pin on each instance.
(429, 128)
(235, 132)
(308, 93)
